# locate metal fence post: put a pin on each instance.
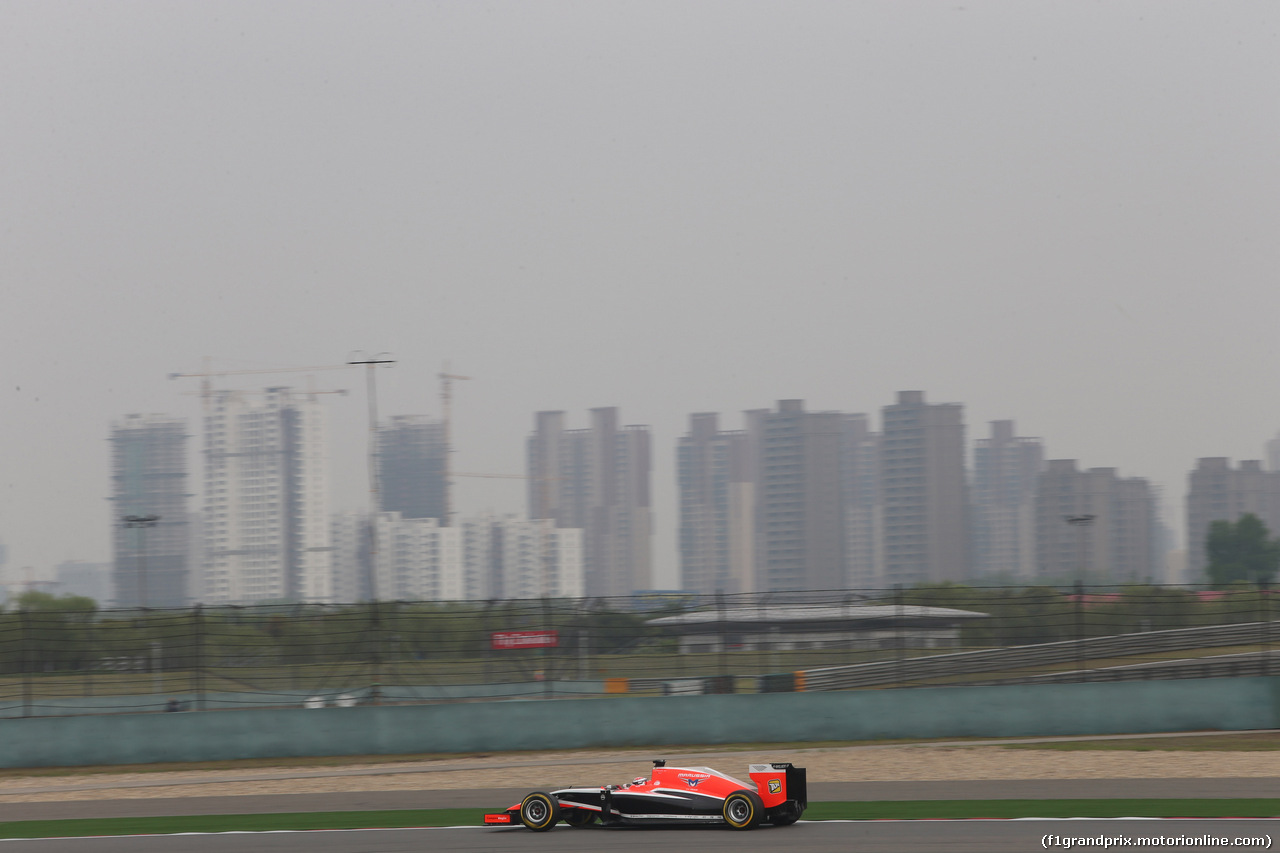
(375, 630)
(197, 663)
(548, 655)
(24, 619)
(899, 639)
(1265, 595)
(724, 637)
(1079, 614)
(87, 651)
(486, 648)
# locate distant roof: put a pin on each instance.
(841, 613)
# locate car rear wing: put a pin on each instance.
(776, 783)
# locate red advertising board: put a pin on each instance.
(524, 639)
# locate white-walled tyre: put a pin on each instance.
(539, 811)
(743, 809)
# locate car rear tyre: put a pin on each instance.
(539, 811)
(578, 817)
(742, 809)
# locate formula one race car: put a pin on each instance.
(778, 793)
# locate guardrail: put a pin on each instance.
(1248, 664)
(60, 656)
(907, 670)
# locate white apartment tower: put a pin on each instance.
(1219, 492)
(418, 560)
(266, 499)
(717, 507)
(924, 498)
(479, 557)
(1006, 468)
(1095, 525)
(349, 538)
(860, 483)
(510, 557)
(536, 559)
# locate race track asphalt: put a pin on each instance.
(817, 837)
(1046, 789)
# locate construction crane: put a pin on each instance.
(371, 363)
(446, 418)
(206, 376)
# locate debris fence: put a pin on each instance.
(64, 658)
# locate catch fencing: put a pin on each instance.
(60, 657)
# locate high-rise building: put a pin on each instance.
(350, 539)
(510, 557)
(799, 517)
(924, 501)
(1095, 526)
(418, 560)
(539, 560)
(717, 508)
(1272, 451)
(860, 476)
(411, 456)
(596, 479)
(480, 557)
(1218, 492)
(266, 499)
(1005, 471)
(149, 479)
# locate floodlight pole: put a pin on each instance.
(1081, 523)
(371, 386)
(141, 523)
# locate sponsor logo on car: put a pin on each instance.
(693, 783)
(775, 786)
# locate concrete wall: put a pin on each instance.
(224, 701)
(1050, 709)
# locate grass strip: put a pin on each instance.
(1253, 742)
(875, 810)
(391, 818)
(962, 809)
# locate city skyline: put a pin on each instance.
(1057, 214)
(1008, 474)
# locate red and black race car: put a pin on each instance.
(777, 793)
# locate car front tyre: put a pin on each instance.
(539, 811)
(742, 810)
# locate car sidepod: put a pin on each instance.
(621, 805)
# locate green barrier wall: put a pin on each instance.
(1049, 709)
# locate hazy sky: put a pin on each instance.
(1064, 213)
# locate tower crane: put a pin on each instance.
(446, 412)
(206, 376)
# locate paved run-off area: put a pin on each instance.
(956, 763)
